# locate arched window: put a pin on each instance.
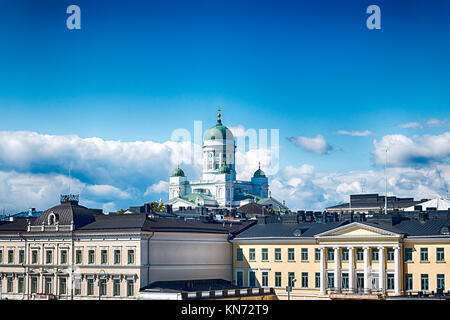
(52, 219)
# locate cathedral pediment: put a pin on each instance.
(357, 230)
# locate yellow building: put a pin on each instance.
(367, 259)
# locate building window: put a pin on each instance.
(131, 256)
(390, 280)
(91, 256)
(277, 279)
(10, 256)
(62, 285)
(424, 282)
(104, 256)
(265, 254)
(34, 283)
(423, 254)
(291, 277)
(251, 278)
(116, 287)
(374, 254)
(409, 281)
(408, 254)
(330, 254)
(344, 281)
(265, 279)
(90, 287)
(21, 256)
(330, 280)
(34, 256)
(359, 254)
(316, 255)
(441, 281)
(103, 288)
(304, 254)
(390, 254)
(78, 257)
(304, 279)
(117, 256)
(1, 256)
(130, 288)
(344, 254)
(63, 256)
(440, 257)
(251, 254)
(291, 254)
(20, 284)
(317, 280)
(239, 278)
(9, 284)
(49, 257)
(48, 282)
(239, 255)
(278, 254)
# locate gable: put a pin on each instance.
(357, 230)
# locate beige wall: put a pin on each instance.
(432, 268)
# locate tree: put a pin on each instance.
(121, 211)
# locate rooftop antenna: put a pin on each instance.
(385, 183)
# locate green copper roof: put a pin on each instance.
(178, 172)
(192, 197)
(259, 174)
(218, 132)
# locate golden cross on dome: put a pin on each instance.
(218, 114)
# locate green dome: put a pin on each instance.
(224, 169)
(218, 132)
(259, 173)
(178, 172)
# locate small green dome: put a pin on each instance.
(259, 173)
(178, 172)
(224, 169)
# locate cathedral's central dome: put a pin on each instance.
(218, 132)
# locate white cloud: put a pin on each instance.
(160, 187)
(411, 125)
(429, 123)
(316, 145)
(418, 150)
(304, 188)
(355, 133)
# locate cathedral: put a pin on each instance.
(218, 186)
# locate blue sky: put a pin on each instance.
(137, 70)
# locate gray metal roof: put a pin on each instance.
(286, 230)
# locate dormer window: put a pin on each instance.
(52, 219)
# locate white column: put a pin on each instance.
(397, 271)
(337, 270)
(322, 271)
(366, 270)
(381, 276)
(351, 270)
